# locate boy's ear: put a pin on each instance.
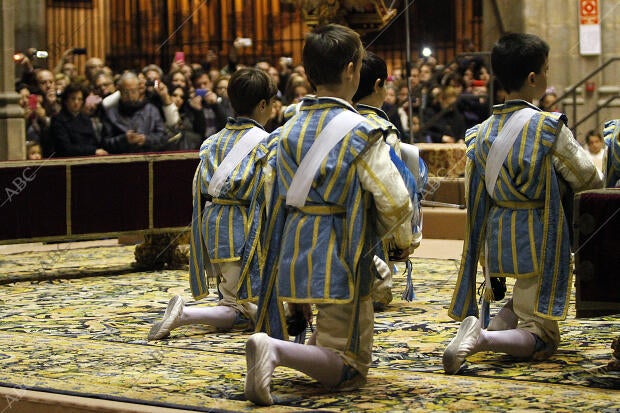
(531, 79)
(378, 86)
(350, 70)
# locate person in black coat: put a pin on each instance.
(72, 132)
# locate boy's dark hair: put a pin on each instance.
(327, 51)
(515, 56)
(373, 68)
(71, 89)
(247, 87)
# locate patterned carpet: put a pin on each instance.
(87, 337)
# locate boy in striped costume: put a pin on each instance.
(325, 224)
(226, 179)
(514, 212)
(368, 99)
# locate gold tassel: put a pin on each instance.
(487, 295)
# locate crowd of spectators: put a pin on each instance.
(102, 112)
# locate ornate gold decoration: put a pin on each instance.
(363, 16)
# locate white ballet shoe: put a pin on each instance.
(173, 313)
(260, 365)
(461, 345)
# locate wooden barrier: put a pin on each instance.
(597, 252)
(95, 197)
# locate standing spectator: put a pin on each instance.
(221, 90)
(189, 132)
(104, 84)
(178, 79)
(133, 125)
(47, 106)
(296, 88)
(391, 110)
(214, 113)
(46, 87)
(92, 67)
(72, 132)
(548, 101)
(445, 124)
(61, 81)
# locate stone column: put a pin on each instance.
(12, 129)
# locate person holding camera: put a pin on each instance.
(214, 112)
(66, 64)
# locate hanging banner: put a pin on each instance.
(589, 27)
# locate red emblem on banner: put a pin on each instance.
(588, 12)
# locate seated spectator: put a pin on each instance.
(71, 131)
(596, 149)
(133, 125)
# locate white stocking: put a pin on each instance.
(320, 363)
(516, 342)
(505, 319)
(218, 316)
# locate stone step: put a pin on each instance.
(444, 223)
(608, 90)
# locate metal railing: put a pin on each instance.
(572, 93)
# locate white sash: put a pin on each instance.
(238, 152)
(502, 144)
(335, 130)
(411, 157)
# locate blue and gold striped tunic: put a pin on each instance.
(220, 225)
(322, 252)
(522, 221)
